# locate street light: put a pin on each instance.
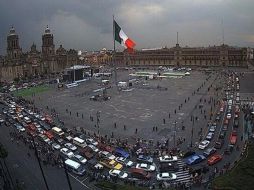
(192, 132)
(174, 134)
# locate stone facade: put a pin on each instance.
(17, 64)
(215, 56)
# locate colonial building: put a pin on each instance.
(17, 64)
(214, 56)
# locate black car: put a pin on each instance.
(222, 135)
(187, 154)
(168, 167)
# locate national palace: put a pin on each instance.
(213, 56)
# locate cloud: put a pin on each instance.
(87, 24)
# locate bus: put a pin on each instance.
(57, 131)
(74, 167)
(79, 142)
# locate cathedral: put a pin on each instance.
(18, 64)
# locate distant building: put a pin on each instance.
(214, 56)
(17, 64)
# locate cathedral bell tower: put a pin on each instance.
(14, 51)
(48, 47)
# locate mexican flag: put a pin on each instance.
(122, 38)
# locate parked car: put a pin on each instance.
(145, 159)
(125, 161)
(165, 176)
(212, 128)
(195, 159)
(94, 148)
(146, 167)
(214, 159)
(79, 159)
(70, 146)
(203, 144)
(140, 174)
(118, 173)
(168, 166)
(219, 144)
(106, 154)
(111, 164)
(168, 158)
(209, 136)
(229, 116)
(66, 152)
(208, 152)
(92, 141)
(56, 146)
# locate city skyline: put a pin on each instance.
(88, 25)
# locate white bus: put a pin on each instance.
(74, 167)
(57, 131)
(79, 142)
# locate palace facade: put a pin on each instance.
(215, 56)
(17, 64)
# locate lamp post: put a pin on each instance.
(192, 131)
(174, 132)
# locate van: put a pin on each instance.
(79, 142)
(74, 167)
(140, 174)
(57, 131)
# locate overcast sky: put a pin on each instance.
(87, 24)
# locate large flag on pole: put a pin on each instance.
(122, 38)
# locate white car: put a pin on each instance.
(56, 146)
(124, 161)
(212, 128)
(167, 158)
(94, 148)
(229, 116)
(70, 146)
(203, 144)
(146, 167)
(106, 154)
(209, 136)
(165, 176)
(80, 159)
(120, 174)
(20, 128)
(67, 152)
(91, 141)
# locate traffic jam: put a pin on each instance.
(82, 153)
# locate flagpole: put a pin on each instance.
(114, 51)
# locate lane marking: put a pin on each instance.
(79, 180)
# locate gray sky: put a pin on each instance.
(87, 24)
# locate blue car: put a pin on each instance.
(194, 159)
(145, 159)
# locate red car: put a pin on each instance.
(48, 134)
(214, 159)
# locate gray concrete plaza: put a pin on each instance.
(143, 108)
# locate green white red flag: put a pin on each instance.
(122, 38)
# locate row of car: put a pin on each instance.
(78, 149)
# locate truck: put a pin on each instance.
(233, 137)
